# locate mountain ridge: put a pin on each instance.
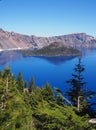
(16, 41)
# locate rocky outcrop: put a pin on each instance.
(54, 49)
(14, 41)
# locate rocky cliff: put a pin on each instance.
(14, 41)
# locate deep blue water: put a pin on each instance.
(55, 70)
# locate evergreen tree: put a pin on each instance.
(60, 98)
(47, 93)
(78, 93)
(20, 83)
(7, 81)
(7, 77)
(24, 111)
(31, 85)
(14, 112)
(0, 74)
(25, 84)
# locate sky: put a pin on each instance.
(48, 17)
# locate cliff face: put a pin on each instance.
(13, 41)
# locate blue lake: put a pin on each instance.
(55, 70)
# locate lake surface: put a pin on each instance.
(55, 70)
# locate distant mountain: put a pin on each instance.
(14, 41)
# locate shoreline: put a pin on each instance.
(13, 49)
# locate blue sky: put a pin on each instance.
(48, 17)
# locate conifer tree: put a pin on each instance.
(0, 74)
(60, 98)
(20, 83)
(7, 78)
(78, 93)
(25, 84)
(31, 85)
(47, 93)
(14, 112)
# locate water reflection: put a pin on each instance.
(8, 56)
(56, 60)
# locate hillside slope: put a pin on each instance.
(14, 41)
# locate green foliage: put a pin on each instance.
(31, 85)
(47, 93)
(20, 83)
(14, 112)
(0, 74)
(35, 98)
(36, 110)
(58, 97)
(25, 84)
(77, 84)
(54, 117)
(78, 94)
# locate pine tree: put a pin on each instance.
(31, 85)
(47, 93)
(20, 83)
(25, 84)
(14, 112)
(7, 83)
(60, 98)
(0, 74)
(78, 93)
(7, 77)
